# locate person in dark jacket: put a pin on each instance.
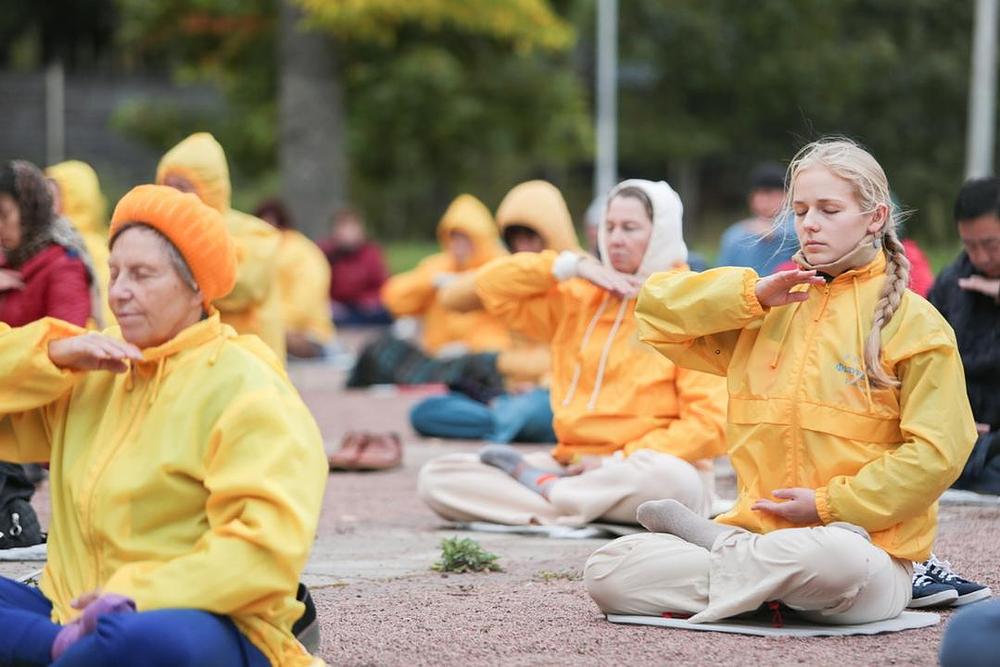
(44, 272)
(967, 293)
(357, 272)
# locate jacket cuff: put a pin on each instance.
(564, 268)
(823, 506)
(750, 279)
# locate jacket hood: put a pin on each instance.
(539, 206)
(201, 160)
(666, 247)
(470, 216)
(80, 194)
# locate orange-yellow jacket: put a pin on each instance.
(304, 287)
(416, 293)
(254, 305)
(801, 413)
(609, 390)
(539, 206)
(86, 208)
(194, 480)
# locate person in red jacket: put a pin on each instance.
(44, 271)
(357, 272)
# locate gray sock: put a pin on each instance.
(511, 462)
(670, 516)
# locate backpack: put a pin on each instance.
(19, 526)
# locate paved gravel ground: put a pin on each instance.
(380, 603)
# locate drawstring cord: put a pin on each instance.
(156, 380)
(784, 334)
(605, 353)
(571, 392)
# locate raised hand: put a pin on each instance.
(93, 352)
(10, 280)
(623, 285)
(988, 286)
(775, 290)
(799, 506)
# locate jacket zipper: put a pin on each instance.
(796, 428)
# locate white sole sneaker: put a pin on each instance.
(938, 599)
(974, 596)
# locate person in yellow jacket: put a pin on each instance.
(186, 485)
(630, 424)
(848, 417)
(532, 217)
(78, 197)
(303, 284)
(198, 164)
(468, 238)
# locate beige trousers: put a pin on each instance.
(459, 487)
(830, 574)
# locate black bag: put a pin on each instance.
(19, 526)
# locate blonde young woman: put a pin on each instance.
(847, 419)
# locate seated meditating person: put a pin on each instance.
(631, 426)
(847, 418)
(186, 473)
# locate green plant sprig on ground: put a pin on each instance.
(465, 555)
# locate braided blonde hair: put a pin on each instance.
(849, 161)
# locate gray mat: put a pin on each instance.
(591, 530)
(959, 497)
(793, 627)
(39, 552)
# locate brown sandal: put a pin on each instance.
(351, 447)
(382, 451)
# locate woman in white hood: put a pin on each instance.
(631, 426)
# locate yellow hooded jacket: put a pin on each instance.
(194, 480)
(801, 413)
(304, 285)
(415, 293)
(539, 206)
(609, 390)
(86, 208)
(254, 305)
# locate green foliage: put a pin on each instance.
(465, 555)
(528, 24)
(548, 576)
(405, 255)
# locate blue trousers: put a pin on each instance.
(523, 417)
(972, 638)
(163, 638)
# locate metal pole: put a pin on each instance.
(979, 141)
(606, 159)
(55, 113)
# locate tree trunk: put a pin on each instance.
(312, 125)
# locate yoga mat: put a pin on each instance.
(592, 530)
(793, 626)
(39, 552)
(960, 497)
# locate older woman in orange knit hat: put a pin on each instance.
(186, 483)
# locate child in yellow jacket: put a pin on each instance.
(630, 424)
(847, 415)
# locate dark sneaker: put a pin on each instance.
(306, 629)
(968, 591)
(930, 593)
(19, 525)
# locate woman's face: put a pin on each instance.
(628, 228)
(10, 222)
(829, 221)
(149, 299)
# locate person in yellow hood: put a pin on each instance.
(532, 217)
(848, 417)
(198, 164)
(186, 484)
(630, 424)
(303, 283)
(468, 238)
(77, 196)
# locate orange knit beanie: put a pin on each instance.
(198, 231)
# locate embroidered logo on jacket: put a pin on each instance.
(852, 375)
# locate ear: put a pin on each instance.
(880, 216)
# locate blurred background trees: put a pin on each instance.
(398, 106)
